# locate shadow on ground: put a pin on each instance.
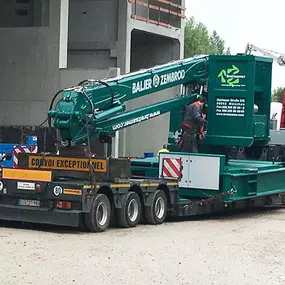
(225, 216)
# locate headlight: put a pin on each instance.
(1, 185)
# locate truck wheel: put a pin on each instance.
(156, 213)
(98, 219)
(130, 213)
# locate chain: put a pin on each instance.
(213, 198)
(91, 168)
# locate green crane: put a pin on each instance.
(237, 85)
(97, 107)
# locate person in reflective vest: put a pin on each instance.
(163, 149)
(193, 126)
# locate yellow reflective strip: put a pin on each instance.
(112, 185)
(24, 174)
(149, 184)
(77, 192)
(90, 186)
(172, 183)
(129, 185)
(120, 185)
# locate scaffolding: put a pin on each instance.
(163, 13)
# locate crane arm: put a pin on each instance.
(142, 114)
(279, 58)
(98, 106)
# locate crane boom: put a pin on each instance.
(278, 57)
(97, 106)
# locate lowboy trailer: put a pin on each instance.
(74, 188)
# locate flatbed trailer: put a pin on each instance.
(45, 197)
(31, 196)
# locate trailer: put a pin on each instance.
(76, 188)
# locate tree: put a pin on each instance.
(217, 44)
(277, 95)
(197, 40)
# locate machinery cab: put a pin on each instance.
(238, 103)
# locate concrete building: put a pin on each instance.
(51, 44)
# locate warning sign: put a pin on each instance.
(65, 163)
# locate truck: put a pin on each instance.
(9, 152)
(76, 188)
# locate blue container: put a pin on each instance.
(32, 140)
(148, 154)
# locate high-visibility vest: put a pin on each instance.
(161, 150)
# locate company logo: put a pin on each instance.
(156, 81)
(231, 77)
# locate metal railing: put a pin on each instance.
(159, 12)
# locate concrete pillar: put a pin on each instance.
(124, 54)
(124, 36)
(63, 37)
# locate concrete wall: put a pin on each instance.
(71, 77)
(32, 13)
(97, 36)
(138, 49)
(31, 76)
(29, 64)
(150, 135)
(93, 33)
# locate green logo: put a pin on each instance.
(231, 77)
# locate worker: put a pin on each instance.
(193, 125)
(163, 149)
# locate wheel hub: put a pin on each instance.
(159, 208)
(133, 210)
(102, 214)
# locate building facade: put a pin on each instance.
(48, 45)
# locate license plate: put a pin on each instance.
(31, 203)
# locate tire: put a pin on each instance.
(156, 213)
(130, 213)
(98, 219)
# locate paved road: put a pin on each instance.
(240, 249)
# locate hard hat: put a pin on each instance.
(201, 98)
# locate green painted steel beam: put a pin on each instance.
(88, 103)
(137, 116)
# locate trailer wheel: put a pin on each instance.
(130, 213)
(156, 213)
(98, 219)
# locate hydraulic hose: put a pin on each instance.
(105, 84)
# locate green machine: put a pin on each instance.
(62, 188)
(238, 89)
(239, 105)
(239, 96)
